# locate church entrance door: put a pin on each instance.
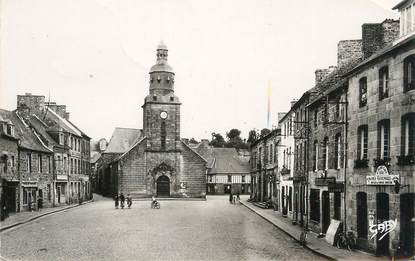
(163, 186)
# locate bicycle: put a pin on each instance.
(346, 241)
(155, 204)
(303, 237)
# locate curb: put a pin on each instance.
(43, 215)
(287, 233)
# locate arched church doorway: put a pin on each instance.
(163, 186)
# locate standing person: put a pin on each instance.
(237, 197)
(116, 201)
(122, 199)
(29, 203)
(129, 201)
(230, 197)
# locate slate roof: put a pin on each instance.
(95, 155)
(227, 160)
(41, 128)
(28, 139)
(63, 123)
(123, 139)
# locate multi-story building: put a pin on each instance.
(9, 172)
(33, 186)
(264, 162)
(228, 172)
(381, 151)
(70, 146)
(286, 153)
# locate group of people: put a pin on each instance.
(233, 198)
(120, 200)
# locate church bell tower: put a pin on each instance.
(161, 109)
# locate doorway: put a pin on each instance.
(326, 211)
(361, 215)
(10, 193)
(382, 210)
(337, 205)
(163, 186)
(407, 208)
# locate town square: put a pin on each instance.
(216, 130)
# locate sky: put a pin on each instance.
(94, 56)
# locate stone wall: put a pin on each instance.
(393, 108)
(348, 50)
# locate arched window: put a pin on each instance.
(409, 73)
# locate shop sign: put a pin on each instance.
(383, 228)
(29, 183)
(62, 177)
(336, 187)
(324, 181)
(381, 178)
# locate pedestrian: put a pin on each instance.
(122, 199)
(234, 199)
(29, 203)
(237, 197)
(116, 201)
(230, 197)
(129, 201)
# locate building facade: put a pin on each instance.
(158, 162)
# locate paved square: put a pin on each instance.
(180, 230)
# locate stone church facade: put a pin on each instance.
(158, 162)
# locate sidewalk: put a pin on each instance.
(317, 245)
(16, 219)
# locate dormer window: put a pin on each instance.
(168, 79)
(171, 98)
(151, 80)
(159, 78)
(10, 129)
(61, 139)
(154, 98)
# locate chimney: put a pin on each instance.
(35, 103)
(347, 51)
(372, 39)
(24, 111)
(205, 142)
(61, 110)
(390, 31)
(66, 116)
(376, 36)
(321, 74)
(293, 102)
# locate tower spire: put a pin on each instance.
(162, 53)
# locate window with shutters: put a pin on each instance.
(409, 73)
(383, 139)
(337, 151)
(325, 153)
(315, 163)
(408, 134)
(362, 142)
(383, 83)
(362, 92)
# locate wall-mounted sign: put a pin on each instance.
(382, 170)
(381, 180)
(383, 228)
(29, 183)
(324, 181)
(335, 187)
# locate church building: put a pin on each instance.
(154, 160)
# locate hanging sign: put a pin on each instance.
(381, 177)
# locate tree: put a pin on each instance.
(252, 136)
(265, 132)
(217, 140)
